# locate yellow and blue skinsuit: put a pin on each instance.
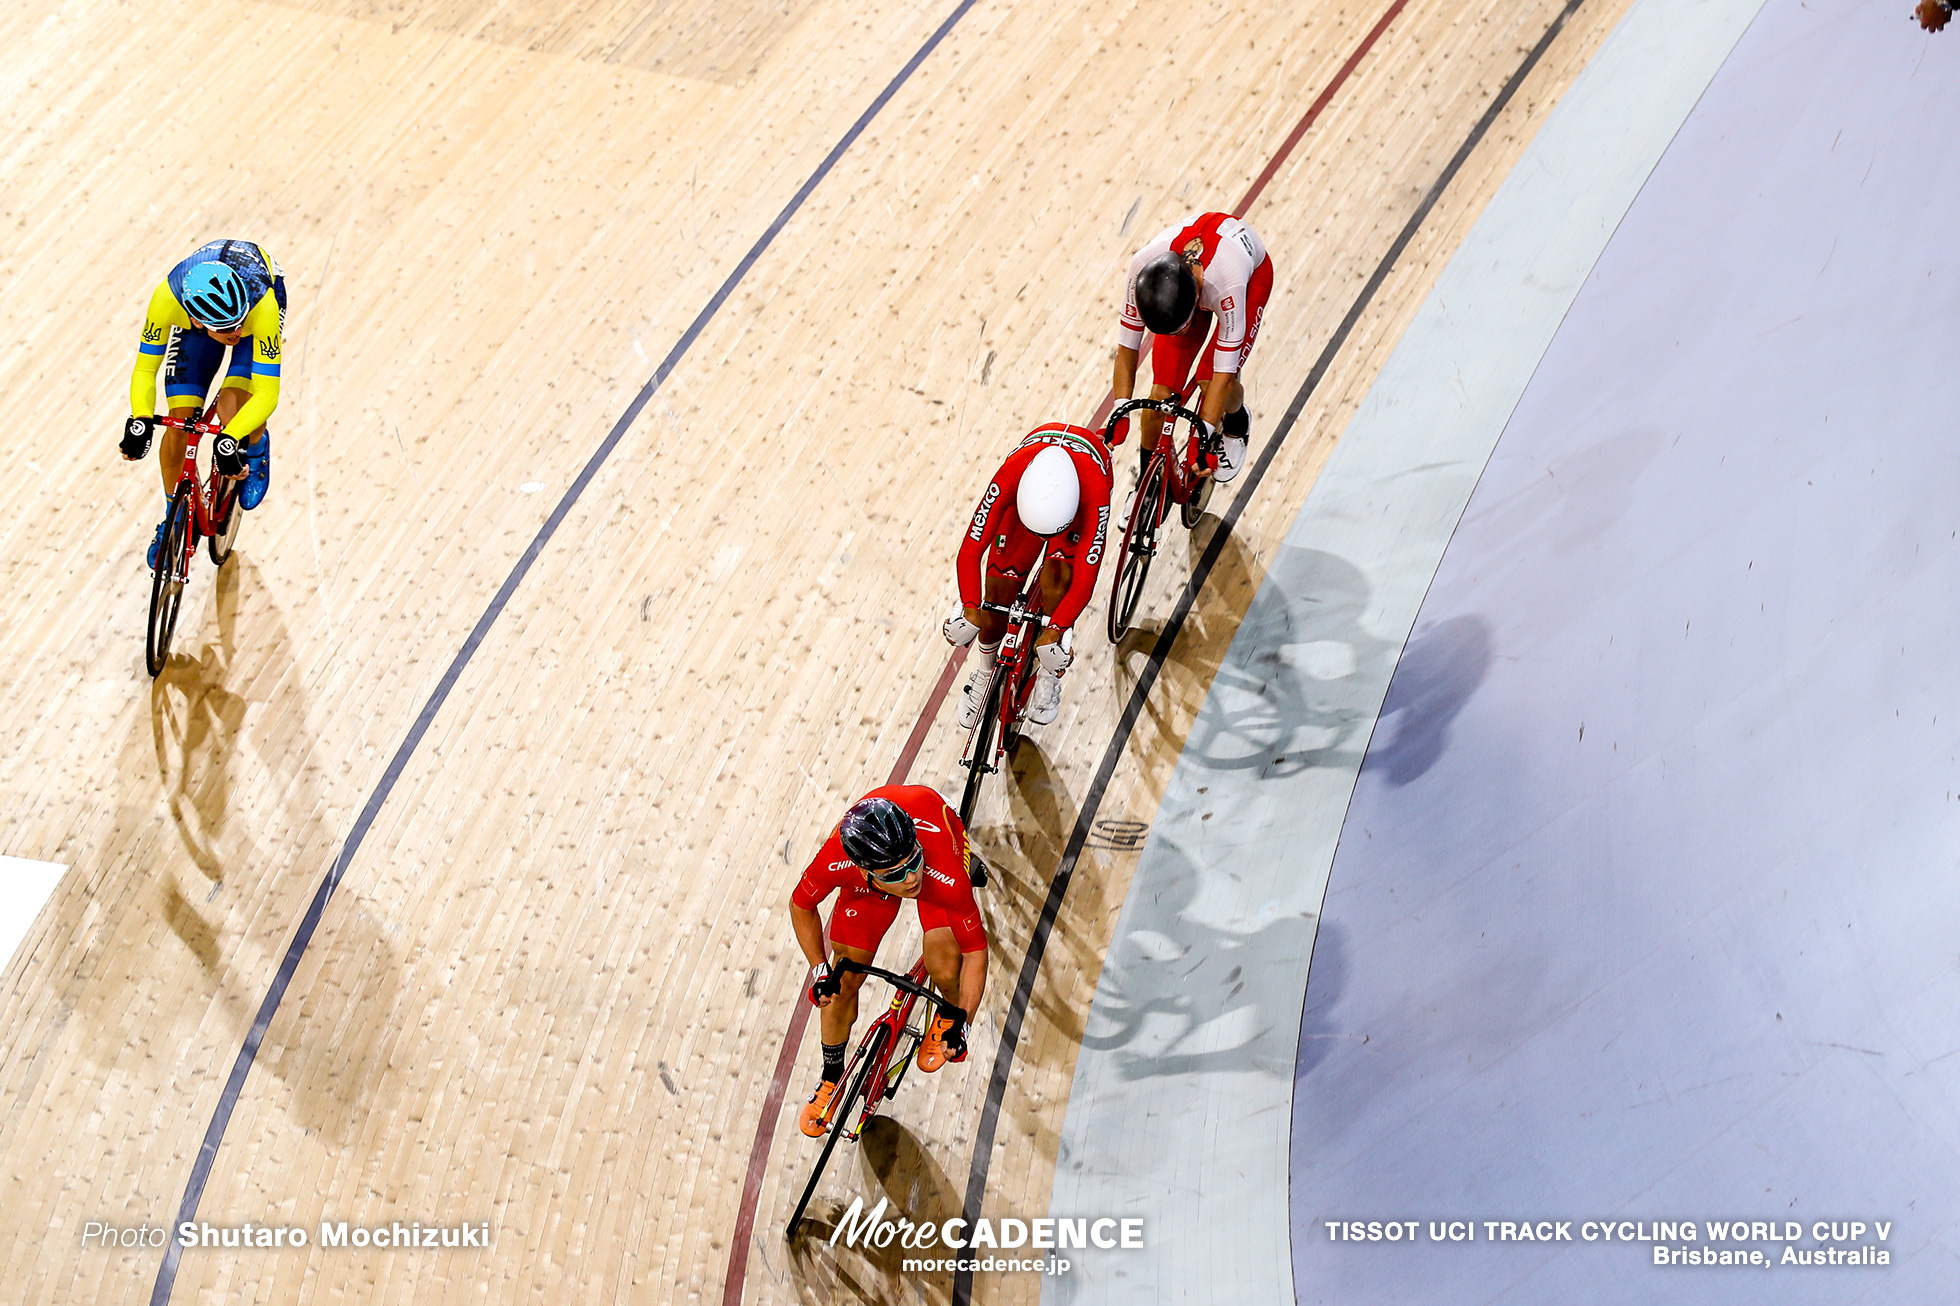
(190, 358)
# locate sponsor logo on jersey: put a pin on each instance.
(1094, 556)
(1069, 440)
(838, 866)
(270, 347)
(1226, 304)
(152, 334)
(978, 531)
(927, 825)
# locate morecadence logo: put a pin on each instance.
(1042, 1235)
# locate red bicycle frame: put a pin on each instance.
(885, 1074)
(876, 1068)
(204, 491)
(1007, 694)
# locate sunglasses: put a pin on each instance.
(900, 873)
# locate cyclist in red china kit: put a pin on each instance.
(1210, 265)
(1047, 507)
(897, 842)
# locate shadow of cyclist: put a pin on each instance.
(228, 741)
(894, 1167)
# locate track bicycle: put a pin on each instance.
(1177, 472)
(996, 732)
(877, 1068)
(200, 508)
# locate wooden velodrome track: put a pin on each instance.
(550, 991)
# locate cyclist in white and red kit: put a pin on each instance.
(1211, 265)
(1048, 508)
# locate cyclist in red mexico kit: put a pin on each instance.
(897, 842)
(1210, 265)
(1047, 506)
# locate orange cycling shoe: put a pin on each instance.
(932, 1052)
(813, 1121)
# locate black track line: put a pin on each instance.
(1017, 1008)
(214, 1134)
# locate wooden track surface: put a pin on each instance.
(551, 990)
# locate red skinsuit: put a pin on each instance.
(1014, 550)
(1238, 281)
(863, 914)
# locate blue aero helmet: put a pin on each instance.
(215, 295)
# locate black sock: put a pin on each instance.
(833, 1062)
(1237, 423)
(1143, 461)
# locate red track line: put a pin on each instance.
(1293, 138)
(799, 1018)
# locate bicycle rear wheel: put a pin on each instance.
(1139, 546)
(167, 582)
(229, 516)
(980, 761)
(869, 1054)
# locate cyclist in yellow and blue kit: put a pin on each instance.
(227, 295)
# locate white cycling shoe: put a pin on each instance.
(973, 699)
(1230, 459)
(1045, 703)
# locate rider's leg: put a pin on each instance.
(1049, 589)
(835, 1020)
(1171, 360)
(942, 954)
(996, 588)
(858, 923)
(1006, 568)
(258, 445)
(230, 399)
(1045, 701)
(1233, 421)
(942, 958)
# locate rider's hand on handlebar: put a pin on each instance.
(959, 628)
(227, 458)
(136, 436)
(1056, 655)
(1119, 433)
(823, 985)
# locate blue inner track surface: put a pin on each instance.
(1645, 905)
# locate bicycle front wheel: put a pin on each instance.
(1138, 548)
(870, 1052)
(980, 761)
(1193, 508)
(167, 582)
(229, 515)
(1014, 701)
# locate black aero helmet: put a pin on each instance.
(1166, 294)
(880, 839)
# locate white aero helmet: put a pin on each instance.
(1049, 491)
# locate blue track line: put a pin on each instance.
(214, 1134)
